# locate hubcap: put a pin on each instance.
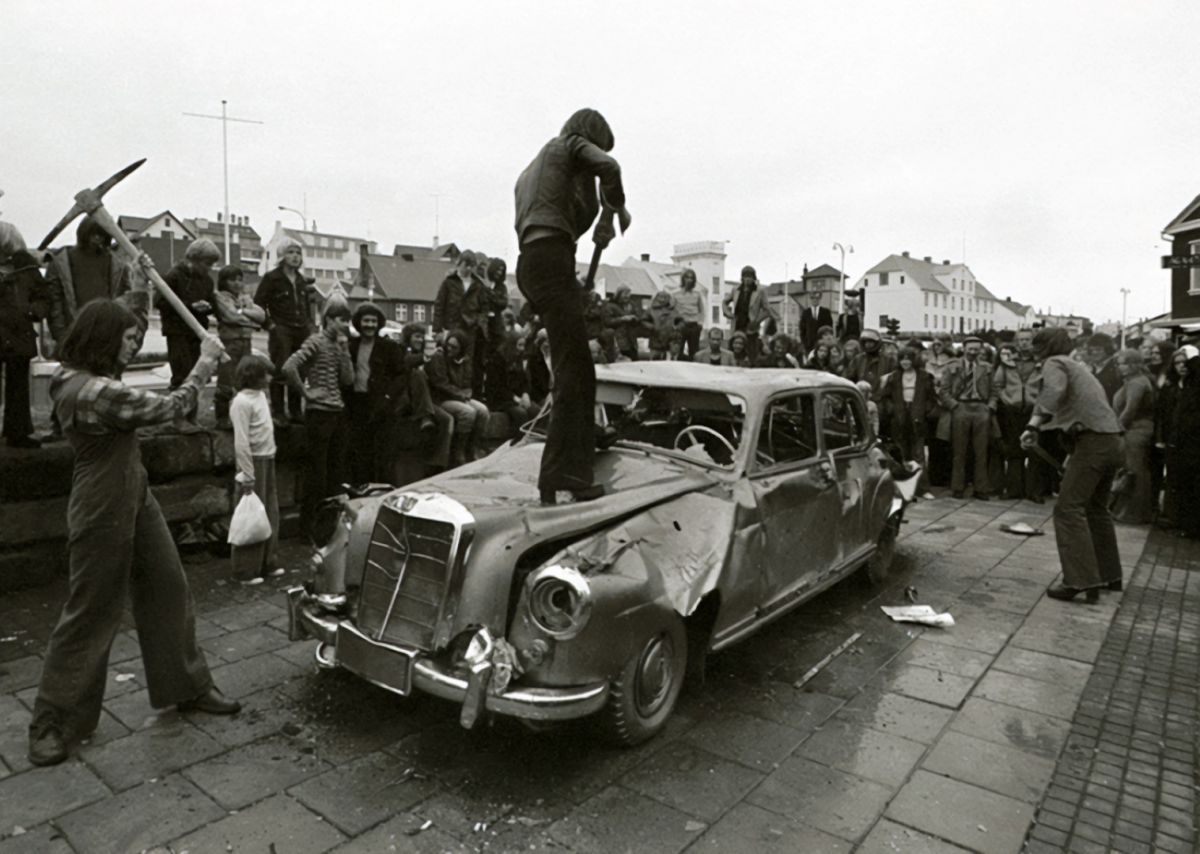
(655, 674)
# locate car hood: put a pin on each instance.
(500, 491)
(503, 485)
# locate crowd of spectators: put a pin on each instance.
(362, 392)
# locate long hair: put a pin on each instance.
(93, 343)
(1134, 359)
(1052, 341)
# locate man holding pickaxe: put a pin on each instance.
(557, 202)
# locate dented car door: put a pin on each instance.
(798, 500)
(846, 441)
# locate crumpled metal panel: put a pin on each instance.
(681, 545)
(501, 492)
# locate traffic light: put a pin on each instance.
(893, 325)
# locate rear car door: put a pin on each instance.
(797, 499)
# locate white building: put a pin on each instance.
(328, 258)
(929, 298)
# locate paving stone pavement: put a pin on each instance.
(1029, 724)
(1127, 779)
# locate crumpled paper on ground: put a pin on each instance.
(922, 614)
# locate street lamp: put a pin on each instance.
(1124, 301)
(303, 218)
(842, 270)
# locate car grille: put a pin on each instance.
(406, 576)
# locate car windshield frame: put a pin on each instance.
(738, 403)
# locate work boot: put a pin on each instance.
(47, 747)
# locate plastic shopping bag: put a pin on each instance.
(249, 524)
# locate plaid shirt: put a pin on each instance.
(107, 405)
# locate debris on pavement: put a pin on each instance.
(922, 614)
(815, 669)
(428, 824)
(910, 594)
(1022, 529)
(124, 677)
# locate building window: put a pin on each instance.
(927, 321)
(883, 279)
(716, 313)
(926, 301)
(401, 312)
(883, 319)
(1194, 272)
(418, 314)
(902, 279)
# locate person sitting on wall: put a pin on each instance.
(417, 401)
(24, 303)
(449, 375)
(715, 353)
(191, 280)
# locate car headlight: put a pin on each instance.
(560, 601)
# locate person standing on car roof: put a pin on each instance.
(556, 203)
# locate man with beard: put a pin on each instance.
(379, 377)
(747, 308)
(284, 294)
(871, 364)
(621, 318)
(556, 203)
(715, 353)
(966, 390)
(86, 271)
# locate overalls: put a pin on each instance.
(118, 543)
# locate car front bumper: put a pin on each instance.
(402, 669)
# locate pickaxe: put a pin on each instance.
(89, 202)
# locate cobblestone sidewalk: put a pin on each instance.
(1127, 778)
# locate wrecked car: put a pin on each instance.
(732, 496)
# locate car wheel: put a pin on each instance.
(643, 695)
(885, 550)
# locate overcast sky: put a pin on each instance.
(1054, 140)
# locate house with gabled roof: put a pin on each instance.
(164, 237)
(927, 298)
(1183, 233)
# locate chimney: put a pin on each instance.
(364, 267)
(645, 256)
(928, 259)
(904, 253)
(313, 230)
(946, 262)
(218, 216)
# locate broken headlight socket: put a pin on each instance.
(535, 653)
(560, 600)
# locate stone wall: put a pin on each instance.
(191, 475)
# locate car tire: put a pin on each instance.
(643, 695)
(880, 562)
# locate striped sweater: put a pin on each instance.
(322, 368)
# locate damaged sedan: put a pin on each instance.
(732, 496)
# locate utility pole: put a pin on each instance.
(437, 216)
(225, 120)
(1124, 302)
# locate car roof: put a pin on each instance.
(750, 383)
